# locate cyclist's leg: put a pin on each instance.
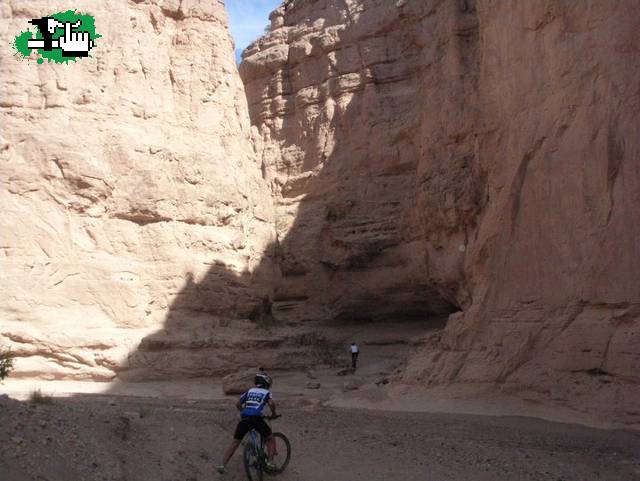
(265, 431)
(242, 429)
(271, 448)
(230, 450)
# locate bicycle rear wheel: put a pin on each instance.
(282, 454)
(252, 463)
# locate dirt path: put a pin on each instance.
(140, 439)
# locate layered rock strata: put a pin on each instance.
(131, 199)
(339, 94)
(433, 155)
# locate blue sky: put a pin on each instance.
(247, 20)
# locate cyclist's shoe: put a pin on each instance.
(270, 467)
(220, 469)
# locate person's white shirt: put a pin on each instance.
(354, 349)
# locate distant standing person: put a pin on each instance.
(354, 355)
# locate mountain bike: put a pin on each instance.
(255, 454)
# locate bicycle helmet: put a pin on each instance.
(262, 380)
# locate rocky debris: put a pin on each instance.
(313, 385)
(122, 427)
(81, 445)
(352, 384)
(238, 383)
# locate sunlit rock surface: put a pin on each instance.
(131, 199)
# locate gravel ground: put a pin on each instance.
(138, 439)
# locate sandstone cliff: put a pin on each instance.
(430, 156)
(129, 184)
(470, 158)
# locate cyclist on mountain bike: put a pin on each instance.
(251, 404)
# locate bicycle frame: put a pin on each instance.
(256, 441)
(255, 448)
(253, 441)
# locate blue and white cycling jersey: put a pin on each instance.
(254, 400)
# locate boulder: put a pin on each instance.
(239, 382)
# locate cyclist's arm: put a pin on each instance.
(241, 401)
(272, 406)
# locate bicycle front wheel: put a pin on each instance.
(281, 455)
(252, 463)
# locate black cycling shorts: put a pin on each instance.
(252, 422)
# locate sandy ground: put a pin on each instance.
(101, 437)
(351, 427)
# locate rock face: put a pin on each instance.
(367, 228)
(430, 156)
(129, 190)
(476, 159)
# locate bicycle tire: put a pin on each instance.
(280, 466)
(252, 463)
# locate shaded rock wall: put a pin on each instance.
(374, 200)
(432, 154)
(558, 245)
(129, 184)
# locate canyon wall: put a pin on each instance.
(374, 202)
(469, 160)
(432, 156)
(132, 204)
